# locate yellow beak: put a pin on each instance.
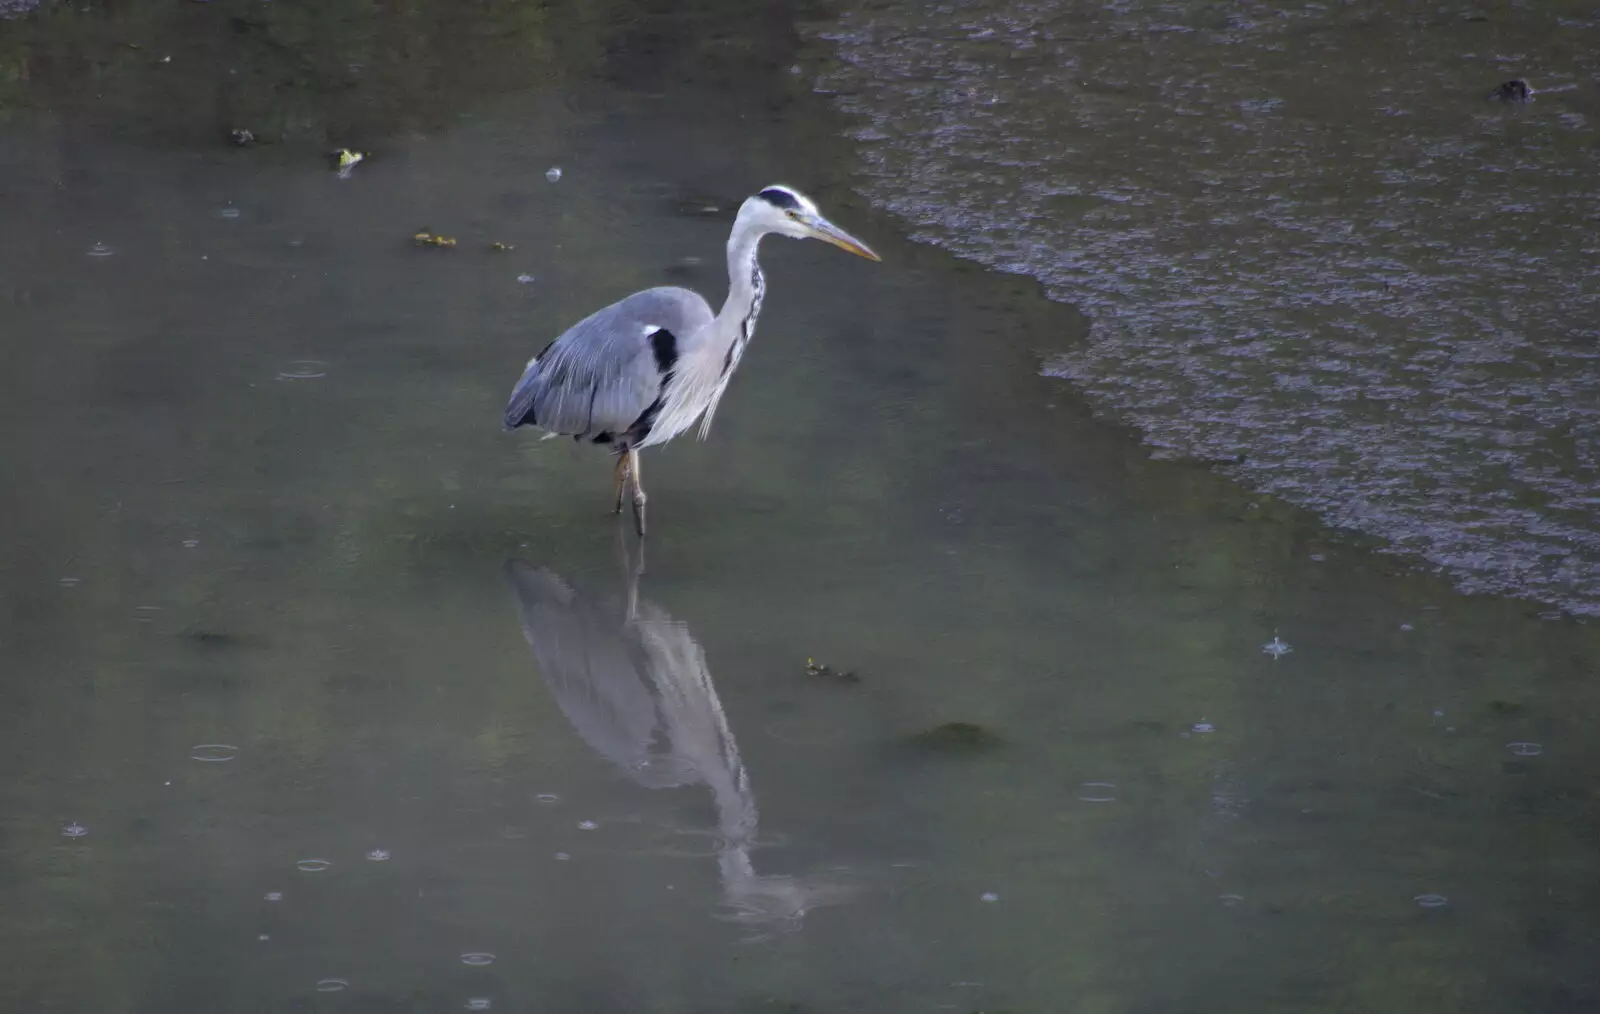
(826, 231)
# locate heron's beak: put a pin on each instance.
(826, 231)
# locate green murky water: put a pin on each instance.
(259, 498)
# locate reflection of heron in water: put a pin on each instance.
(633, 683)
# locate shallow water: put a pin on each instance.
(220, 551)
(1315, 253)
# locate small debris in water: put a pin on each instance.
(74, 830)
(345, 160)
(379, 855)
(828, 672)
(499, 247)
(1525, 749)
(553, 174)
(1276, 647)
(1431, 900)
(424, 237)
(241, 138)
(1203, 727)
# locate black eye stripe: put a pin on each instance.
(779, 198)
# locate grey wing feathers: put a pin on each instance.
(603, 373)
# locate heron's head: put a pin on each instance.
(788, 212)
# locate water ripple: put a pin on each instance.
(1098, 792)
(303, 369)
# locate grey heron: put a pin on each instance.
(642, 370)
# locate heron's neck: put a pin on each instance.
(746, 286)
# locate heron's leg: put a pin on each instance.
(638, 490)
(622, 479)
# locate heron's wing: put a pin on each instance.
(607, 370)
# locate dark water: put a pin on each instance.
(1314, 252)
(274, 572)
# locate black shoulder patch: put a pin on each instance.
(664, 344)
(635, 434)
(779, 198)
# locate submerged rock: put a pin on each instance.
(957, 737)
(1515, 90)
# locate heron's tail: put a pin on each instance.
(519, 411)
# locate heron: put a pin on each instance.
(644, 369)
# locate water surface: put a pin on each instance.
(260, 500)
